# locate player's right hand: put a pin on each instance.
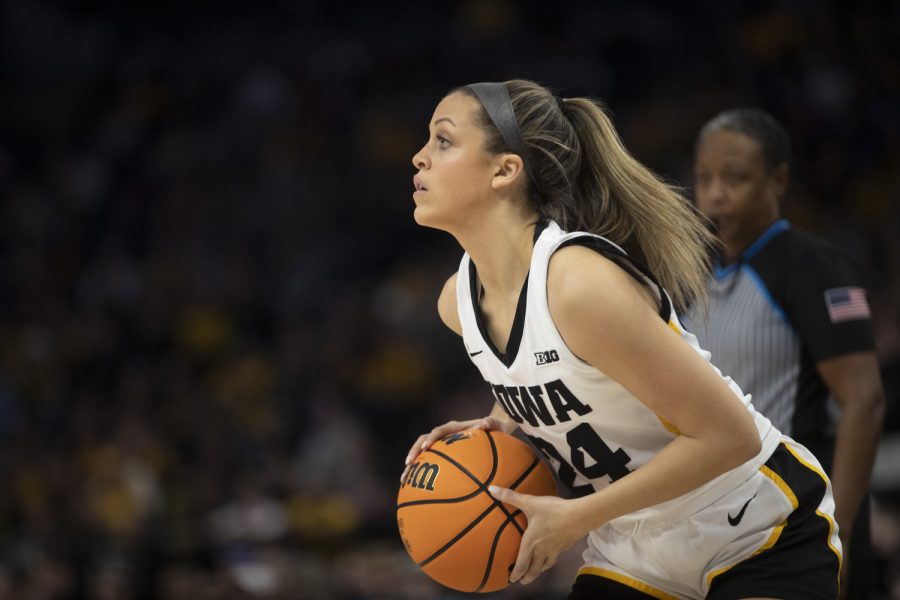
(425, 440)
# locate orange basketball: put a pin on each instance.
(451, 526)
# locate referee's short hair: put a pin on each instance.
(757, 124)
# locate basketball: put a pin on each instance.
(454, 530)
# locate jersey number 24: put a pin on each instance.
(589, 455)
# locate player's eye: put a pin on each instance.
(443, 142)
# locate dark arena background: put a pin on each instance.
(218, 333)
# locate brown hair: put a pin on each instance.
(582, 177)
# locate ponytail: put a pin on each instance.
(621, 199)
(581, 176)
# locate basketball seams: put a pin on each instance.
(468, 473)
(468, 496)
(482, 487)
(510, 519)
(517, 483)
(491, 547)
(525, 474)
(490, 561)
(496, 466)
(458, 536)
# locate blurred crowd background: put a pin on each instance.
(218, 333)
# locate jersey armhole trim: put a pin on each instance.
(634, 268)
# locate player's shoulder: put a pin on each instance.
(578, 265)
(447, 305)
(578, 275)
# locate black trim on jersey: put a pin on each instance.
(628, 264)
(518, 325)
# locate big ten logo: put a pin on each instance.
(546, 357)
(422, 475)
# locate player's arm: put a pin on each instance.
(855, 382)
(496, 420)
(610, 321)
(447, 307)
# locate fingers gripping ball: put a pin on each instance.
(451, 526)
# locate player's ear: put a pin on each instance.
(781, 177)
(509, 170)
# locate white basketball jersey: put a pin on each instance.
(591, 429)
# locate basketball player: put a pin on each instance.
(682, 488)
(788, 318)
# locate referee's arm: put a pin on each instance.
(843, 349)
(855, 382)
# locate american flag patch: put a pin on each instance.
(847, 304)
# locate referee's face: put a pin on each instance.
(734, 188)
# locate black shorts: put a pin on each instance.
(801, 565)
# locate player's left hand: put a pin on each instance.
(551, 531)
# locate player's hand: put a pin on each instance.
(551, 531)
(425, 440)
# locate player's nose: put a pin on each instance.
(420, 159)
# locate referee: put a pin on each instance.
(789, 319)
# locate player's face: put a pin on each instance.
(454, 171)
(734, 188)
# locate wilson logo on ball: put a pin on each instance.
(455, 437)
(423, 475)
(456, 532)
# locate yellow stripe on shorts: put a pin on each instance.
(776, 532)
(782, 485)
(832, 526)
(629, 581)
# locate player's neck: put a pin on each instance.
(502, 256)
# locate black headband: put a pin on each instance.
(494, 97)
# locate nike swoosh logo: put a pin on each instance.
(475, 353)
(733, 521)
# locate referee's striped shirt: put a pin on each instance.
(790, 301)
